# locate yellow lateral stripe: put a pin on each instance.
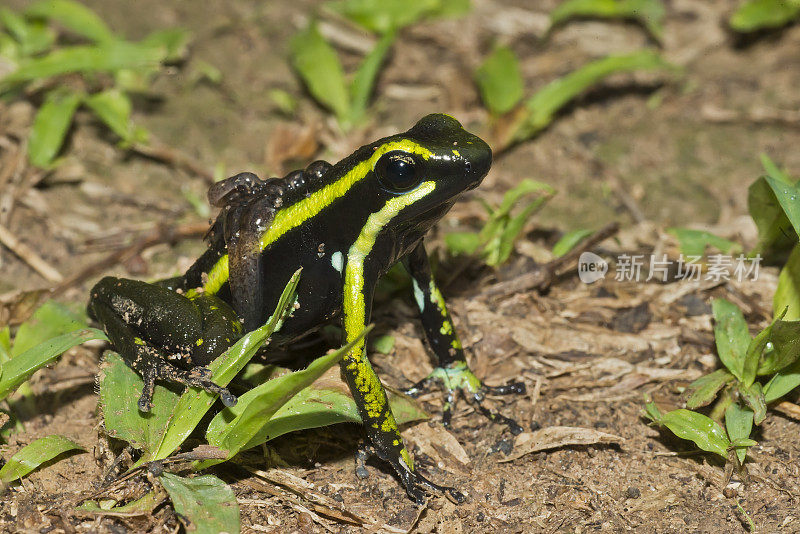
(299, 212)
(354, 306)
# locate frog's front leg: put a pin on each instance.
(452, 371)
(367, 390)
(152, 326)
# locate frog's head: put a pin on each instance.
(419, 174)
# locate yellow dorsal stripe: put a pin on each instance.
(303, 210)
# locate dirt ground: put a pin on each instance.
(641, 152)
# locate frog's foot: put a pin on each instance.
(198, 377)
(460, 379)
(416, 485)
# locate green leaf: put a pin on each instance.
(35, 454)
(20, 368)
(364, 79)
(383, 344)
(731, 335)
(785, 339)
(703, 431)
(194, 403)
(113, 107)
(542, 106)
(51, 125)
(569, 241)
(649, 13)
(651, 410)
(739, 424)
(500, 81)
(145, 504)
(706, 387)
(788, 196)
(694, 242)
(51, 319)
(775, 236)
(755, 15)
(74, 16)
(754, 398)
(462, 242)
(206, 501)
(782, 383)
(283, 100)
(319, 67)
(325, 402)
(233, 428)
(787, 294)
(108, 57)
(33, 36)
(173, 43)
(384, 16)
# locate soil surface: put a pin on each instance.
(644, 151)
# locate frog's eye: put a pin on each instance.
(398, 172)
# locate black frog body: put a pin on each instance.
(345, 225)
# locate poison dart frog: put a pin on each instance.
(345, 225)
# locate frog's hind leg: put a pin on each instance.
(150, 325)
(452, 370)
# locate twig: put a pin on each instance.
(29, 256)
(544, 274)
(756, 115)
(175, 158)
(159, 235)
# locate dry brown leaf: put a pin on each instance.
(554, 437)
(291, 141)
(439, 444)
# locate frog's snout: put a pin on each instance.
(478, 162)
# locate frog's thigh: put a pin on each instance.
(152, 313)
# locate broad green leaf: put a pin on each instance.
(462, 242)
(703, 431)
(649, 13)
(194, 403)
(285, 101)
(694, 242)
(35, 454)
(120, 388)
(51, 125)
(51, 319)
(782, 383)
(5, 346)
(20, 368)
(364, 79)
(107, 57)
(731, 335)
(74, 16)
(775, 236)
(500, 81)
(569, 241)
(233, 428)
(319, 66)
(755, 15)
(383, 16)
(739, 424)
(325, 402)
(206, 501)
(785, 339)
(705, 388)
(789, 198)
(754, 398)
(113, 107)
(787, 294)
(542, 106)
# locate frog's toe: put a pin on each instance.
(417, 487)
(145, 403)
(495, 417)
